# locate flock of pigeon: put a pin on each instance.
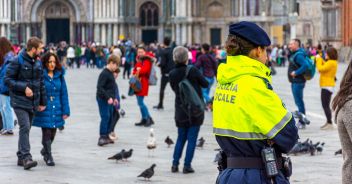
(123, 155)
(307, 147)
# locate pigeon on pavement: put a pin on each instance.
(118, 156)
(148, 173)
(127, 154)
(200, 143)
(169, 141)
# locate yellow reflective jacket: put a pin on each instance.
(245, 106)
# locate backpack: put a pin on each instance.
(153, 79)
(190, 100)
(310, 72)
(4, 89)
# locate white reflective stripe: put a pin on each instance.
(280, 125)
(252, 135)
(239, 135)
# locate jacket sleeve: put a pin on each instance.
(100, 86)
(287, 137)
(64, 98)
(200, 79)
(146, 68)
(302, 62)
(43, 98)
(163, 61)
(323, 66)
(215, 66)
(11, 77)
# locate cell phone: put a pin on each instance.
(270, 163)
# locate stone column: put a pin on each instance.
(109, 35)
(83, 32)
(104, 8)
(97, 32)
(121, 32)
(4, 8)
(1, 8)
(190, 34)
(178, 34)
(293, 31)
(184, 33)
(103, 35)
(115, 34)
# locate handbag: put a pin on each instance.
(135, 85)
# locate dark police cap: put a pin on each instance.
(250, 32)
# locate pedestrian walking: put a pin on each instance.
(58, 108)
(24, 77)
(166, 64)
(296, 69)
(250, 122)
(188, 125)
(327, 70)
(106, 88)
(6, 56)
(342, 105)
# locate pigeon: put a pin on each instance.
(151, 144)
(200, 142)
(118, 156)
(122, 113)
(148, 173)
(169, 141)
(127, 154)
(301, 117)
(312, 148)
(320, 148)
(123, 97)
(338, 152)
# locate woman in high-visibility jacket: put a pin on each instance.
(248, 115)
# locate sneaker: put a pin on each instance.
(158, 107)
(187, 170)
(1, 131)
(103, 141)
(29, 163)
(113, 136)
(20, 162)
(174, 169)
(326, 124)
(141, 123)
(7, 132)
(328, 127)
(301, 125)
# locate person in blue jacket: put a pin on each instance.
(57, 110)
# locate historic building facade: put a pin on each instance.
(106, 21)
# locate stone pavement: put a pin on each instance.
(80, 161)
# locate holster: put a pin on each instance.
(222, 162)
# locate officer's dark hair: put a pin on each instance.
(236, 45)
(206, 47)
(298, 41)
(167, 41)
(33, 42)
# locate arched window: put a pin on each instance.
(149, 14)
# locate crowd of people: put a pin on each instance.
(34, 92)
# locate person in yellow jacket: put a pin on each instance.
(248, 116)
(327, 70)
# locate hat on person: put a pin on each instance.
(250, 32)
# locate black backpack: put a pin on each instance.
(190, 100)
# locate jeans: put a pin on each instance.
(25, 121)
(297, 90)
(325, 100)
(206, 91)
(6, 112)
(143, 107)
(186, 134)
(105, 111)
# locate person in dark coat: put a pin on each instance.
(142, 70)
(24, 77)
(106, 89)
(187, 130)
(166, 65)
(58, 108)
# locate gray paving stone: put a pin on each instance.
(80, 161)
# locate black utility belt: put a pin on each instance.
(250, 163)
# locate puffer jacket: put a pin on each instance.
(23, 72)
(57, 106)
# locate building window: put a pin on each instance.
(149, 14)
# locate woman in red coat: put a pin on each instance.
(142, 69)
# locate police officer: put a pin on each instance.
(251, 124)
